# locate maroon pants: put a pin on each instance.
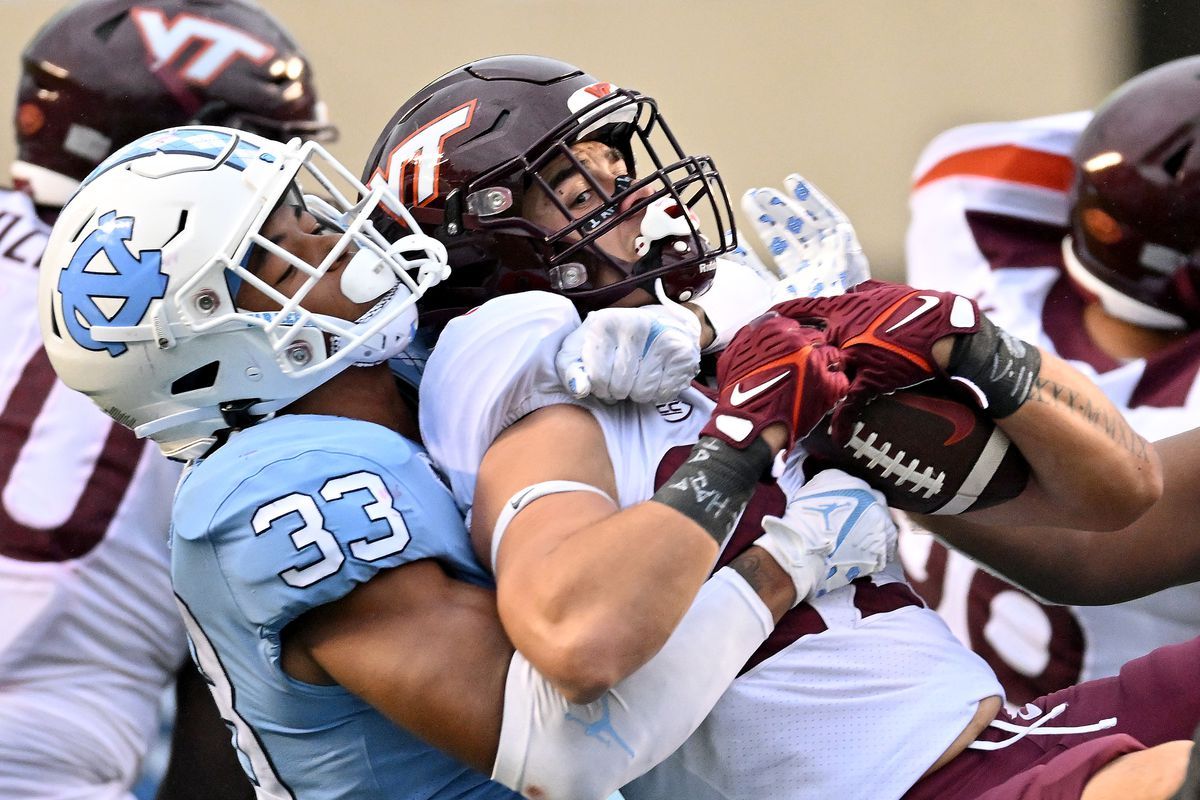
(1155, 699)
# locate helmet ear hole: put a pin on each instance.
(1174, 163)
(201, 378)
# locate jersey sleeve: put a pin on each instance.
(979, 182)
(302, 529)
(490, 368)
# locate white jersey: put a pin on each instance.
(89, 636)
(853, 696)
(989, 212)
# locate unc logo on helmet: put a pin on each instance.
(135, 282)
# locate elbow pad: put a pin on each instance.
(556, 750)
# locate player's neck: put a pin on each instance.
(366, 393)
(1124, 340)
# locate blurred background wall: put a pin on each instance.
(846, 93)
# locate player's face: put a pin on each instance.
(301, 234)
(605, 164)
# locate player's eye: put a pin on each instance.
(582, 199)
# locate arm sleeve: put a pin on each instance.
(550, 748)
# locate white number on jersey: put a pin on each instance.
(313, 533)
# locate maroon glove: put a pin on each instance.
(775, 370)
(887, 332)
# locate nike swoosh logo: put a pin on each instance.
(516, 501)
(960, 417)
(927, 302)
(737, 396)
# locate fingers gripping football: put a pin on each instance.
(776, 370)
(887, 332)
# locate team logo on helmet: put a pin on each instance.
(127, 290)
(603, 113)
(413, 167)
(582, 98)
(219, 44)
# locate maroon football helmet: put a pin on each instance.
(471, 151)
(1135, 240)
(104, 72)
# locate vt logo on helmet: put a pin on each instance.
(220, 44)
(538, 176)
(135, 280)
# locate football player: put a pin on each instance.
(1074, 232)
(324, 575)
(536, 175)
(90, 636)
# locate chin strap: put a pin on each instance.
(391, 340)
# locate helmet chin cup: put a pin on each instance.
(366, 277)
(390, 340)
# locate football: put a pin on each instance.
(929, 449)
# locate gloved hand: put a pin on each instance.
(886, 332)
(647, 354)
(775, 370)
(811, 241)
(836, 528)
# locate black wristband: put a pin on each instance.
(1001, 365)
(715, 483)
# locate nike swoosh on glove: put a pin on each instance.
(775, 370)
(887, 332)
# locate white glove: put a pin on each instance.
(811, 241)
(647, 354)
(746, 256)
(836, 528)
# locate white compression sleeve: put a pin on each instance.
(550, 748)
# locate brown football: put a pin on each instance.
(928, 449)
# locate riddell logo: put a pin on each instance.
(215, 44)
(413, 166)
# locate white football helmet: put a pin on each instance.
(140, 274)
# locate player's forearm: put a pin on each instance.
(593, 609)
(1092, 470)
(1158, 550)
(552, 744)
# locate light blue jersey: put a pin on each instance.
(289, 515)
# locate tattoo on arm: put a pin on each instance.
(750, 566)
(1112, 424)
(767, 579)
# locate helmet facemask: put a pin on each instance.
(597, 257)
